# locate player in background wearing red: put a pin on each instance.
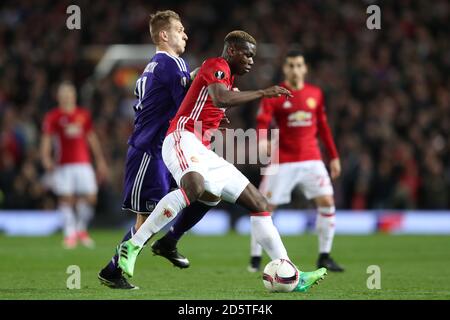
(73, 177)
(198, 171)
(300, 120)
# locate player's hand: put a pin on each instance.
(194, 73)
(48, 165)
(335, 168)
(102, 171)
(276, 91)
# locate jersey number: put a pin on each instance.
(140, 92)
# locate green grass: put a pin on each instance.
(412, 267)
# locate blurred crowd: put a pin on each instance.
(387, 91)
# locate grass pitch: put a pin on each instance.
(412, 267)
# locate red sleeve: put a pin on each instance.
(216, 71)
(48, 127)
(324, 130)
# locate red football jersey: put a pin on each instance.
(197, 108)
(299, 120)
(71, 130)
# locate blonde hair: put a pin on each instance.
(159, 21)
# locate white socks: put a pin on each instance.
(325, 226)
(268, 237)
(69, 219)
(85, 212)
(165, 211)
(255, 247)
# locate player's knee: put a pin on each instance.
(193, 190)
(91, 199)
(325, 201)
(193, 186)
(66, 200)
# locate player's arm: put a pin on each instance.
(100, 162)
(46, 152)
(45, 148)
(194, 73)
(327, 139)
(224, 98)
(96, 149)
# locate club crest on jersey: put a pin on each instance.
(311, 103)
(287, 104)
(184, 81)
(219, 74)
(150, 205)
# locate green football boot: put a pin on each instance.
(128, 253)
(308, 279)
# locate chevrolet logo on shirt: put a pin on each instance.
(300, 119)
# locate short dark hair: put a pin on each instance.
(294, 53)
(239, 37)
(159, 21)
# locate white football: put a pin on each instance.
(280, 275)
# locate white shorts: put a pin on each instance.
(311, 176)
(183, 152)
(74, 179)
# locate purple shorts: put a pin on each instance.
(147, 180)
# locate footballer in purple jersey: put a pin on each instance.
(159, 91)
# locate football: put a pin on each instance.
(280, 275)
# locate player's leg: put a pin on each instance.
(325, 226)
(143, 181)
(111, 274)
(277, 189)
(64, 187)
(266, 234)
(316, 185)
(85, 212)
(178, 151)
(183, 156)
(85, 185)
(256, 250)
(268, 237)
(192, 187)
(187, 218)
(65, 206)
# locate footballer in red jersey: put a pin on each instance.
(74, 180)
(201, 174)
(300, 119)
